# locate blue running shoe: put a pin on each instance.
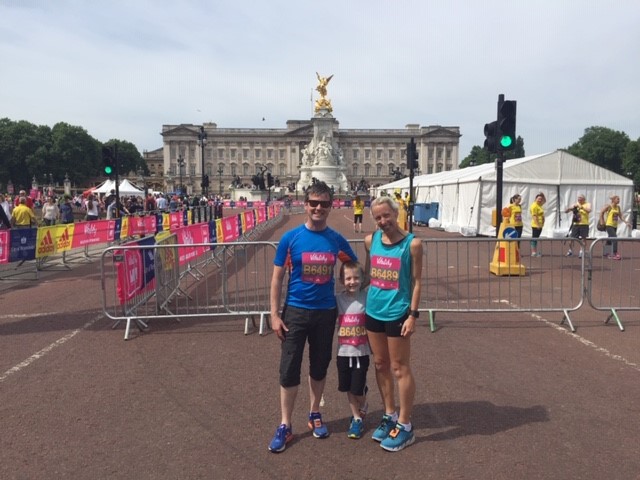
(283, 436)
(383, 429)
(398, 439)
(315, 424)
(356, 428)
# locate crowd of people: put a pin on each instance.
(22, 211)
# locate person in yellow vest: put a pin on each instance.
(516, 213)
(402, 212)
(580, 223)
(358, 209)
(22, 216)
(610, 215)
(537, 222)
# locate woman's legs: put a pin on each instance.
(400, 356)
(380, 348)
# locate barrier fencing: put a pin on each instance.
(204, 280)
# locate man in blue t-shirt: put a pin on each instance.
(309, 252)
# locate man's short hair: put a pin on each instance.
(316, 189)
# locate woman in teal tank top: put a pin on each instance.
(394, 268)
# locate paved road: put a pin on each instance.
(498, 397)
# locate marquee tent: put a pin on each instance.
(126, 188)
(467, 197)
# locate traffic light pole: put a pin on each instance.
(499, 169)
(117, 171)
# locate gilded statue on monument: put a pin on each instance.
(323, 103)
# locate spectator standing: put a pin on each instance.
(353, 346)
(310, 252)
(537, 222)
(516, 213)
(6, 205)
(394, 264)
(161, 203)
(50, 211)
(23, 194)
(23, 216)
(580, 223)
(92, 206)
(5, 220)
(358, 210)
(610, 215)
(402, 212)
(66, 210)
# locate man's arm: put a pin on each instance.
(277, 324)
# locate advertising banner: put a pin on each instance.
(4, 246)
(91, 233)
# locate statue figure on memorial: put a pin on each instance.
(323, 102)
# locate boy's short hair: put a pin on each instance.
(353, 266)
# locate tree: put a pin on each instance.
(75, 152)
(603, 146)
(129, 157)
(631, 162)
(479, 155)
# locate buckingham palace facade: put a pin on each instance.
(376, 156)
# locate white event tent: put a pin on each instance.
(125, 189)
(467, 197)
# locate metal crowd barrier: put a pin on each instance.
(466, 275)
(456, 277)
(612, 284)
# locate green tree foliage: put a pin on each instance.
(479, 155)
(28, 150)
(129, 159)
(631, 162)
(603, 146)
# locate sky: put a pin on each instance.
(123, 68)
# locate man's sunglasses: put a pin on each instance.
(322, 203)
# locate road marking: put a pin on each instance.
(38, 355)
(586, 342)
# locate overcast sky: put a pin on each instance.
(122, 69)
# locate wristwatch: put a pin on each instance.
(414, 313)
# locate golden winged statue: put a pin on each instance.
(323, 102)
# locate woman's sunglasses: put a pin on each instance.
(322, 203)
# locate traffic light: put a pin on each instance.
(507, 125)
(491, 134)
(412, 155)
(269, 180)
(108, 160)
(205, 181)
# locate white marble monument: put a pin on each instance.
(322, 158)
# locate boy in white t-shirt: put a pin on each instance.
(353, 345)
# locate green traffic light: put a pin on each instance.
(506, 141)
(108, 170)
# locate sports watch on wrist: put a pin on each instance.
(414, 313)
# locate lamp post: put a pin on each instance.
(202, 141)
(220, 171)
(144, 187)
(180, 165)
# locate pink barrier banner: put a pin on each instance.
(188, 236)
(248, 222)
(142, 226)
(135, 270)
(262, 217)
(227, 229)
(89, 233)
(136, 226)
(4, 246)
(175, 220)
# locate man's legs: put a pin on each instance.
(287, 401)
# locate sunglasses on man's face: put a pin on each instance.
(322, 203)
